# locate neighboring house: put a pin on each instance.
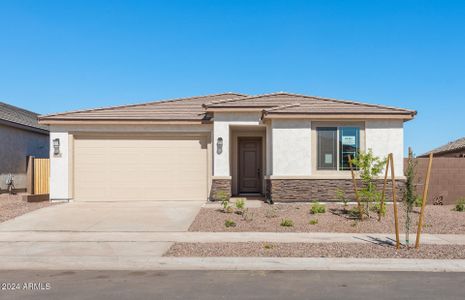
(451, 149)
(20, 136)
(288, 147)
(447, 183)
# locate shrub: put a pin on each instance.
(229, 223)
(287, 223)
(240, 203)
(268, 246)
(224, 198)
(313, 222)
(228, 209)
(317, 208)
(377, 208)
(460, 205)
(341, 196)
(246, 215)
(271, 213)
(418, 201)
(354, 213)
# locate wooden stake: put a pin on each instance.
(355, 189)
(394, 200)
(423, 203)
(381, 206)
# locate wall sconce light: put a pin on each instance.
(219, 145)
(56, 146)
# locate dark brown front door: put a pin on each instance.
(250, 165)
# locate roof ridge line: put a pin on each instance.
(281, 107)
(136, 104)
(245, 98)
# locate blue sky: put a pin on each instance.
(66, 55)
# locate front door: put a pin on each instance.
(250, 165)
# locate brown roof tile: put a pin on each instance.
(20, 116)
(183, 109)
(456, 145)
(195, 108)
(294, 103)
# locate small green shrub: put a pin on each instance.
(354, 213)
(287, 223)
(268, 246)
(460, 205)
(240, 204)
(377, 208)
(317, 208)
(313, 222)
(229, 223)
(341, 196)
(247, 215)
(271, 213)
(224, 198)
(418, 201)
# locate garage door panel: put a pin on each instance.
(140, 169)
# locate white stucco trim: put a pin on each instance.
(59, 167)
(291, 147)
(384, 137)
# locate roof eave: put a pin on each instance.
(300, 115)
(24, 126)
(56, 121)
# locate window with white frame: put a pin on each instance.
(335, 145)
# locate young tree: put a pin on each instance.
(369, 167)
(410, 196)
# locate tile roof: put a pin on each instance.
(293, 103)
(182, 109)
(196, 108)
(20, 116)
(456, 145)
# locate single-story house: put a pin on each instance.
(284, 146)
(21, 136)
(452, 149)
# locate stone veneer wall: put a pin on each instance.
(304, 190)
(220, 185)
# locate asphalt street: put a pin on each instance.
(230, 285)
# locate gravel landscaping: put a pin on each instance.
(12, 206)
(268, 218)
(259, 249)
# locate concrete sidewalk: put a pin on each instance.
(140, 263)
(213, 237)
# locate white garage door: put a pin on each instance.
(143, 168)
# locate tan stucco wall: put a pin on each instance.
(15, 145)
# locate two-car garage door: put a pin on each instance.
(140, 168)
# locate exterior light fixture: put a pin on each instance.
(219, 145)
(56, 146)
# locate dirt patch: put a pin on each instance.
(438, 219)
(12, 206)
(342, 250)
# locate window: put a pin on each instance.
(334, 145)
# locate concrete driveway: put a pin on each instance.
(84, 231)
(108, 217)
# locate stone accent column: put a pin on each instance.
(220, 185)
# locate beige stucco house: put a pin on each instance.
(20, 136)
(284, 146)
